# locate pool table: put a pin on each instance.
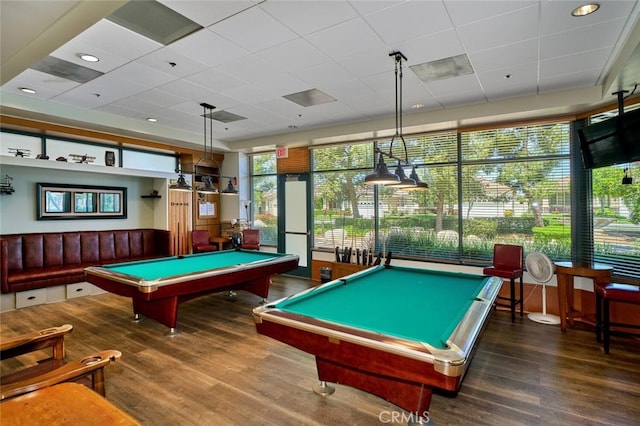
(158, 286)
(396, 332)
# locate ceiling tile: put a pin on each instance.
(521, 24)
(207, 13)
(339, 41)
(209, 48)
(585, 38)
(314, 16)
(524, 52)
(409, 20)
(254, 30)
(463, 12)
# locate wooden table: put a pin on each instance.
(220, 241)
(565, 271)
(64, 404)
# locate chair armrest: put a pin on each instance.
(91, 365)
(49, 337)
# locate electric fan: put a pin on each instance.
(540, 268)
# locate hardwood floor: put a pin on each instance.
(219, 371)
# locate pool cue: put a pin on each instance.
(357, 256)
(388, 261)
(370, 257)
(333, 238)
(343, 234)
(364, 256)
(180, 256)
(337, 254)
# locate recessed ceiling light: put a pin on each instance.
(152, 120)
(28, 90)
(88, 58)
(417, 106)
(585, 10)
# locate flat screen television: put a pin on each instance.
(612, 141)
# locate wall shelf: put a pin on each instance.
(151, 196)
(81, 167)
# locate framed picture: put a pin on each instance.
(63, 201)
(110, 158)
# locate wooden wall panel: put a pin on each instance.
(296, 162)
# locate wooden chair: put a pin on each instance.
(250, 239)
(200, 242)
(605, 294)
(55, 369)
(508, 264)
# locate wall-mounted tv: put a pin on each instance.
(612, 141)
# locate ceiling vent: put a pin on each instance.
(309, 98)
(442, 69)
(154, 20)
(224, 116)
(64, 69)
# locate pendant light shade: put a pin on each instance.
(381, 175)
(419, 183)
(404, 182)
(181, 184)
(207, 185)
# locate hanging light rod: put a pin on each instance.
(381, 175)
(207, 179)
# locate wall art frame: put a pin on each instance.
(59, 201)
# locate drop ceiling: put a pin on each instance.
(528, 59)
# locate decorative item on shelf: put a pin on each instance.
(42, 157)
(20, 152)
(6, 186)
(62, 159)
(78, 158)
(381, 175)
(627, 179)
(231, 186)
(110, 158)
(152, 194)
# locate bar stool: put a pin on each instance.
(612, 292)
(507, 264)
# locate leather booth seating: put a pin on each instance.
(39, 260)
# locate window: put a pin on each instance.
(615, 215)
(501, 185)
(516, 190)
(264, 206)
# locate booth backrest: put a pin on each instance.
(39, 260)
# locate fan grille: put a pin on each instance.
(540, 267)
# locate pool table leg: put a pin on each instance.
(323, 389)
(165, 311)
(410, 396)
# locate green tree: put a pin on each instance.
(532, 180)
(340, 188)
(606, 183)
